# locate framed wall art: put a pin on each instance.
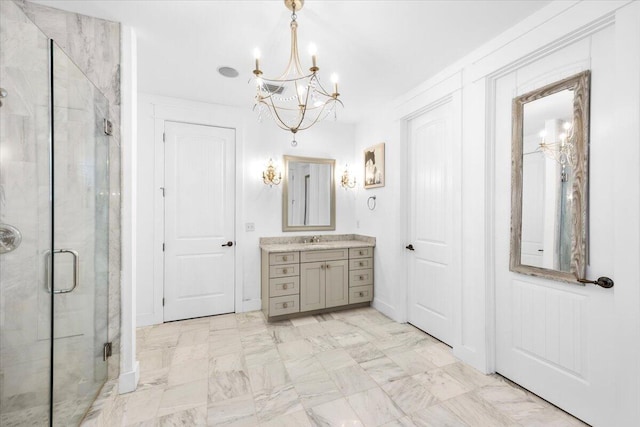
(374, 166)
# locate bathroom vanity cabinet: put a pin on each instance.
(315, 277)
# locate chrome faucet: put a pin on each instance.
(315, 239)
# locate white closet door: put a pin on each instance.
(434, 221)
(199, 220)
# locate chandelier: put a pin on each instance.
(296, 100)
(560, 149)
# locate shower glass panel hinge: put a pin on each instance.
(164, 137)
(108, 127)
(163, 302)
(106, 351)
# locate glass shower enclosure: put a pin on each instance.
(54, 194)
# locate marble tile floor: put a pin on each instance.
(349, 368)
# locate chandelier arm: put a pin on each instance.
(324, 91)
(314, 121)
(281, 123)
(317, 119)
(292, 79)
(273, 114)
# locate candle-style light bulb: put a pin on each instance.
(313, 51)
(334, 80)
(542, 134)
(256, 55)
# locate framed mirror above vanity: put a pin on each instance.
(308, 196)
(550, 149)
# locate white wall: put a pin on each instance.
(256, 202)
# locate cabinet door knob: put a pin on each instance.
(322, 266)
(285, 305)
(284, 271)
(361, 294)
(284, 286)
(361, 252)
(328, 266)
(284, 258)
(361, 264)
(361, 277)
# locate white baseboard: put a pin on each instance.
(250, 305)
(147, 319)
(385, 309)
(128, 381)
(472, 357)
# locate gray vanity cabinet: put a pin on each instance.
(315, 280)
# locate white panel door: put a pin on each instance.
(555, 338)
(199, 220)
(433, 267)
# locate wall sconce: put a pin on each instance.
(271, 176)
(347, 180)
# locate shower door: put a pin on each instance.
(25, 213)
(80, 240)
(54, 197)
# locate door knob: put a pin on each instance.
(604, 282)
(410, 247)
(229, 243)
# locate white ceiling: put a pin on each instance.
(380, 49)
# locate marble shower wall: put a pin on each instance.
(94, 46)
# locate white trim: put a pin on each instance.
(386, 309)
(184, 111)
(626, 217)
(250, 305)
(489, 216)
(129, 124)
(128, 381)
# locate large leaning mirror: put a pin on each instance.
(308, 197)
(550, 147)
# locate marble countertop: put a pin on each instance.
(293, 247)
(327, 242)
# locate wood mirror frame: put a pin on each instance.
(580, 85)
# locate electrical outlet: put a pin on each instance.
(250, 226)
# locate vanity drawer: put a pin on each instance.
(360, 253)
(284, 258)
(360, 294)
(327, 255)
(361, 277)
(284, 270)
(361, 263)
(284, 286)
(284, 305)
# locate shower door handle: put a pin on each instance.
(76, 270)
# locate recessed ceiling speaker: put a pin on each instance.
(228, 72)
